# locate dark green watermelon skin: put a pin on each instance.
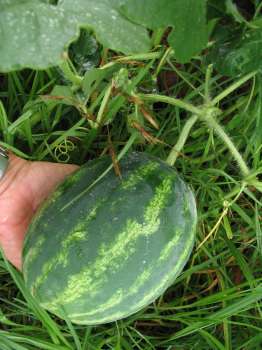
(117, 247)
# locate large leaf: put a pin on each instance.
(35, 34)
(187, 17)
(32, 34)
(238, 55)
(111, 28)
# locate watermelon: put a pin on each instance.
(99, 252)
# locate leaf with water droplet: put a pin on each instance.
(36, 34)
(32, 34)
(111, 28)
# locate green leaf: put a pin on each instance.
(240, 54)
(32, 34)
(187, 17)
(111, 28)
(35, 34)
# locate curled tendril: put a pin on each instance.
(62, 151)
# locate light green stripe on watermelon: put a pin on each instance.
(164, 254)
(149, 297)
(119, 295)
(139, 174)
(168, 279)
(77, 234)
(159, 200)
(83, 282)
(139, 282)
(116, 298)
(34, 252)
(30, 256)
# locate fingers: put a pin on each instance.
(15, 216)
(44, 177)
(11, 241)
(25, 186)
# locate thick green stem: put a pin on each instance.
(171, 159)
(170, 100)
(213, 124)
(207, 115)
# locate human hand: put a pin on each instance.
(24, 187)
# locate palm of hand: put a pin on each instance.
(22, 190)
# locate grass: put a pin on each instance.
(216, 302)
